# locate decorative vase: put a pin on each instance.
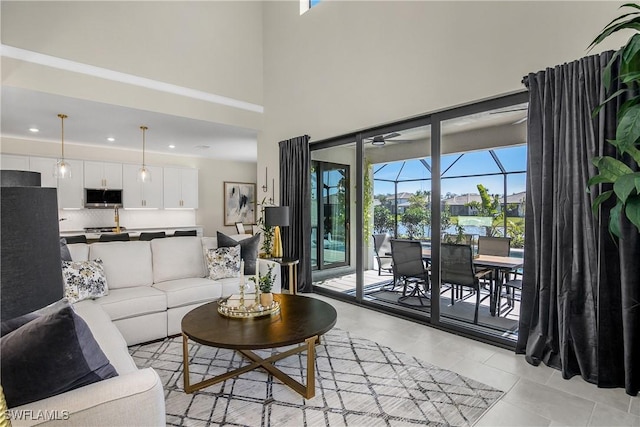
(266, 299)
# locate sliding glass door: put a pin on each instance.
(456, 175)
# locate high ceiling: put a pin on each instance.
(91, 123)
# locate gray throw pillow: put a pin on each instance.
(249, 248)
(65, 255)
(50, 355)
(11, 325)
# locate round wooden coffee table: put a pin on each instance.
(301, 319)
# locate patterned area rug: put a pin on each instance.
(358, 383)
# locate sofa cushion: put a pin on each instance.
(248, 249)
(78, 251)
(126, 264)
(224, 262)
(51, 355)
(177, 258)
(84, 280)
(106, 335)
(182, 292)
(131, 302)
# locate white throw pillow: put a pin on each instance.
(84, 280)
(224, 262)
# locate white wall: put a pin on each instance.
(349, 65)
(211, 177)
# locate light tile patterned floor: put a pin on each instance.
(535, 396)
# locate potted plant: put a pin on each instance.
(267, 233)
(265, 283)
(626, 182)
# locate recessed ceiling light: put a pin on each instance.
(172, 146)
(34, 130)
(111, 139)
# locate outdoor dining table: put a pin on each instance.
(500, 265)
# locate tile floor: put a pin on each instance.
(535, 396)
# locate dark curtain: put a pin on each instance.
(295, 192)
(580, 309)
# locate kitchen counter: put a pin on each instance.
(133, 232)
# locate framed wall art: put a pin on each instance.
(239, 203)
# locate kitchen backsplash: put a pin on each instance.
(77, 220)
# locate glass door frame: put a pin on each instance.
(320, 265)
(434, 119)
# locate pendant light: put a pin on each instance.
(144, 174)
(62, 168)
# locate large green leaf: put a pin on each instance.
(635, 154)
(631, 77)
(638, 184)
(631, 65)
(632, 48)
(628, 130)
(599, 200)
(600, 179)
(614, 219)
(606, 73)
(632, 210)
(631, 24)
(610, 167)
(625, 185)
(626, 105)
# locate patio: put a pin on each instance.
(377, 289)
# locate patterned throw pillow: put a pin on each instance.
(84, 280)
(224, 262)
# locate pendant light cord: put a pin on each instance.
(62, 117)
(144, 128)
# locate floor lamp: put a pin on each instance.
(276, 216)
(30, 272)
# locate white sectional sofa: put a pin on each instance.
(151, 286)
(134, 398)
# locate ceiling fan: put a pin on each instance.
(380, 140)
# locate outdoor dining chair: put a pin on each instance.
(408, 266)
(382, 249)
(457, 270)
(461, 239)
(497, 246)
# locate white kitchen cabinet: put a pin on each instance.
(180, 188)
(136, 194)
(14, 162)
(46, 167)
(71, 189)
(103, 175)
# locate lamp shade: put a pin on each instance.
(30, 272)
(276, 216)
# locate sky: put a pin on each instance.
(514, 159)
